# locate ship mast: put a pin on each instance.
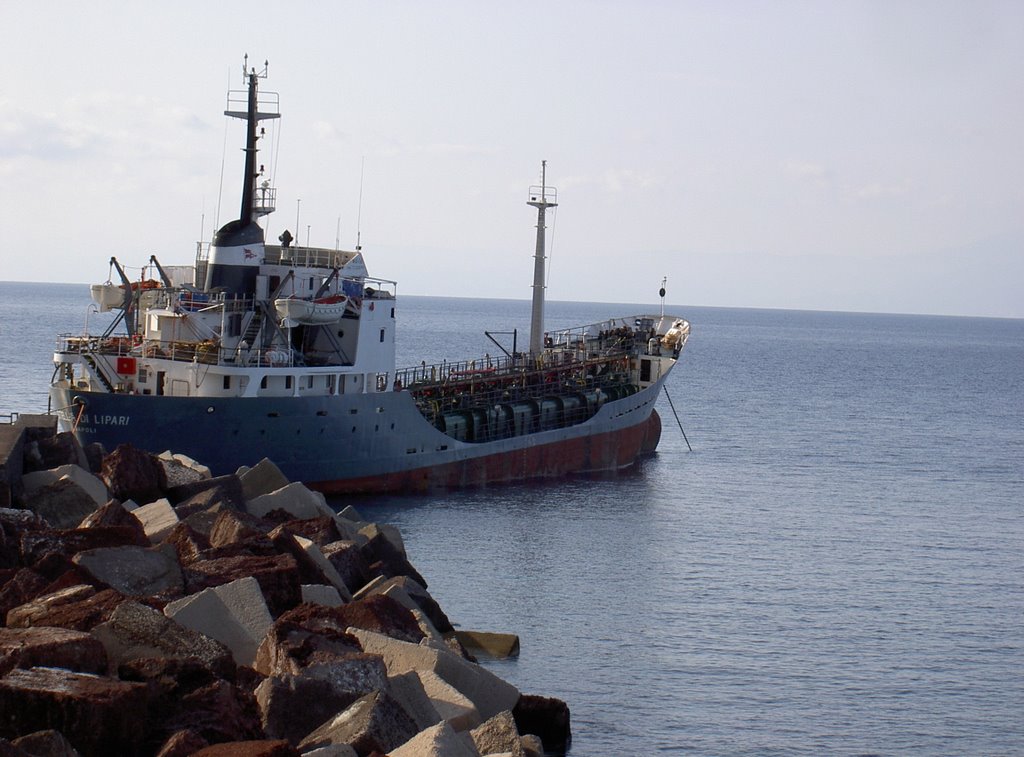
(542, 198)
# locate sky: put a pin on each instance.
(854, 156)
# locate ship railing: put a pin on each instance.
(503, 371)
(206, 352)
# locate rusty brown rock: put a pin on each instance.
(383, 615)
(135, 631)
(300, 638)
(321, 531)
(22, 587)
(98, 715)
(218, 712)
(77, 607)
(50, 647)
(49, 743)
(130, 473)
(237, 527)
(182, 743)
(188, 543)
(113, 513)
(70, 541)
(278, 577)
(265, 748)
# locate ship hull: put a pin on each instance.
(363, 443)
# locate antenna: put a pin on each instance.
(661, 293)
(359, 214)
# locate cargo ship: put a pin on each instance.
(287, 352)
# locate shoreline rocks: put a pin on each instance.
(149, 609)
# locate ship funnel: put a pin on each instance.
(239, 245)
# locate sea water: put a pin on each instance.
(836, 568)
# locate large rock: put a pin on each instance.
(135, 631)
(188, 544)
(200, 495)
(294, 499)
(236, 527)
(385, 552)
(262, 478)
(219, 712)
(263, 748)
(292, 706)
(420, 596)
(376, 722)
(321, 594)
(130, 473)
(114, 513)
(326, 568)
(488, 693)
(382, 615)
(347, 558)
(498, 734)
(135, 571)
(277, 575)
(70, 541)
(49, 743)
(440, 740)
(24, 586)
(234, 614)
(62, 504)
(80, 608)
(450, 704)
(547, 718)
(181, 469)
(183, 743)
(98, 715)
(321, 530)
(90, 483)
(408, 691)
(158, 519)
(307, 635)
(497, 646)
(50, 647)
(48, 452)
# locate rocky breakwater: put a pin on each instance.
(148, 608)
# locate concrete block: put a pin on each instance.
(324, 564)
(351, 514)
(498, 735)
(295, 499)
(408, 691)
(158, 519)
(235, 614)
(498, 646)
(489, 693)
(262, 478)
(451, 704)
(320, 594)
(440, 740)
(90, 483)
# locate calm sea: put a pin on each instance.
(836, 568)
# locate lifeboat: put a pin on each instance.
(107, 296)
(312, 312)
